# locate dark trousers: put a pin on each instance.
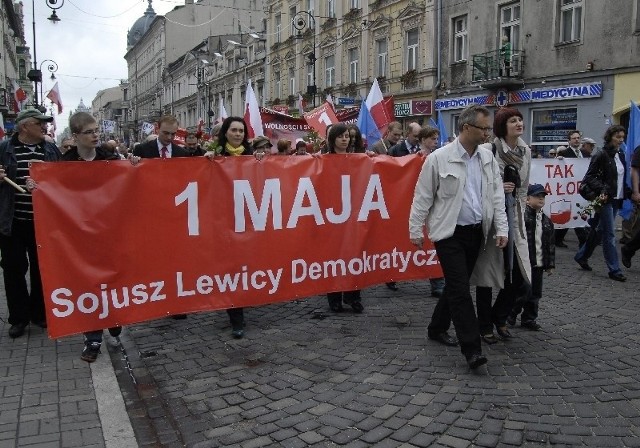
(484, 295)
(515, 287)
(633, 245)
(236, 317)
(19, 255)
(594, 238)
(458, 255)
(581, 233)
(347, 296)
(529, 303)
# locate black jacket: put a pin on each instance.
(602, 173)
(149, 150)
(548, 239)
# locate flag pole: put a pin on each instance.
(15, 185)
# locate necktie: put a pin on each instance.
(164, 152)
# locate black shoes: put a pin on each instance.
(179, 316)
(392, 286)
(503, 333)
(90, 352)
(436, 293)
(476, 360)
(357, 307)
(617, 276)
(237, 333)
(336, 307)
(444, 338)
(115, 331)
(531, 325)
(625, 257)
(17, 330)
(584, 265)
(511, 320)
(489, 338)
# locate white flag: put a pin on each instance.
(252, 113)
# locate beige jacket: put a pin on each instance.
(489, 270)
(437, 199)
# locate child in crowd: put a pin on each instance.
(542, 255)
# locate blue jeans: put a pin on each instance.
(607, 230)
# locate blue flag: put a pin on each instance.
(633, 141)
(367, 126)
(444, 137)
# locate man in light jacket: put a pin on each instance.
(459, 196)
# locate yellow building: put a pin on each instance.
(340, 46)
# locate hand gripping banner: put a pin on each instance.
(120, 244)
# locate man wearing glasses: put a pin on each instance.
(17, 232)
(459, 196)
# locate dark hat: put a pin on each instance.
(535, 190)
(33, 113)
(260, 141)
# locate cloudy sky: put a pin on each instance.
(88, 44)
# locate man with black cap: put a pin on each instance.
(17, 232)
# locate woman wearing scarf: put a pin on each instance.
(508, 270)
(233, 140)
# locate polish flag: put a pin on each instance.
(19, 96)
(330, 101)
(2, 132)
(222, 112)
(252, 113)
(54, 96)
(377, 108)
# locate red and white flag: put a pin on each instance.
(377, 108)
(222, 112)
(54, 96)
(19, 97)
(330, 101)
(2, 132)
(252, 113)
(301, 104)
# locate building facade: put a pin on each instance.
(558, 62)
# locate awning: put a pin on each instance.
(626, 88)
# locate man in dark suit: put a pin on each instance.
(162, 147)
(573, 150)
(410, 145)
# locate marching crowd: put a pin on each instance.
(473, 198)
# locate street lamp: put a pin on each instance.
(301, 21)
(52, 67)
(35, 74)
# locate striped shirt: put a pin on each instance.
(24, 155)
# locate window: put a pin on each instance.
(354, 4)
(412, 49)
(381, 61)
(510, 24)
(292, 81)
(310, 74)
(331, 8)
(276, 88)
(570, 20)
(292, 17)
(278, 27)
(637, 10)
(353, 65)
(311, 5)
(22, 69)
(329, 71)
(550, 128)
(460, 39)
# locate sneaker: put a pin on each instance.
(115, 331)
(90, 352)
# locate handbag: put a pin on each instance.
(587, 190)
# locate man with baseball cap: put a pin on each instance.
(17, 233)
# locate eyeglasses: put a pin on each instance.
(487, 129)
(90, 131)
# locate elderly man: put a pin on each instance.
(459, 196)
(588, 146)
(17, 232)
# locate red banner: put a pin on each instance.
(120, 244)
(321, 117)
(282, 126)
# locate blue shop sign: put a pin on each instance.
(345, 101)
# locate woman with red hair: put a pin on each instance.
(514, 158)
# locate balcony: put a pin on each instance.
(497, 70)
